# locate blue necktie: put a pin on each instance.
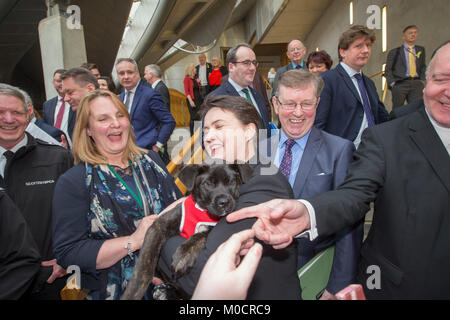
(365, 99)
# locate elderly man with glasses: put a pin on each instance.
(314, 162)
(242, 64)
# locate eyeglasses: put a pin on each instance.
(304, 105)
(247, 63)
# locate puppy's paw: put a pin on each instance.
(182, 261)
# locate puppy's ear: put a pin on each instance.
(187, 175)
(244, 170)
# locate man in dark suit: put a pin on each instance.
(241, 61)
(295, 52)
(314, 162)
(204, 69)
(349, 102)
(152, 73)
(403, 167)
(56, 112)
(405, 69)
(152, 122)
(76, 84)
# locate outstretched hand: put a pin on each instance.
(279, 220)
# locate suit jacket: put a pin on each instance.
(402, 166)
(276, 276)
(228, 90)
(151, 120)
(164, 91)
(396, 64)
(406, 109)
(49, 107)
(323, 167)
(209, 69)
(282, 70)
(340, 111)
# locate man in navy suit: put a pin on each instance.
(349, 102)
(152, 122)
(314, 162)
(241, 61)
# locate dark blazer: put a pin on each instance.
(340, 111)
(228, 90)
(209, 69)
(276, 276)
(151, 120)
(52, 131)
(282, 70)
(164, 91)
(396, 64)
(406, 109)
(402, 166)
(49, 107)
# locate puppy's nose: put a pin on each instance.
(222, 202)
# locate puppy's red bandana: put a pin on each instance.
(193, 217)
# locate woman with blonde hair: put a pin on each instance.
(193, 93)
(103, 206)
(215, 77)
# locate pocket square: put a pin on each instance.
(321, 174)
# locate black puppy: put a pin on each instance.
(215, 188)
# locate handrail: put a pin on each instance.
(178, 159)
(376, 74)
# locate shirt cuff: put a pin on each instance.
(159, 145)
(311, 233)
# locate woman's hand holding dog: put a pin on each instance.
(137, 238)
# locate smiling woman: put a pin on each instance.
(115, 192)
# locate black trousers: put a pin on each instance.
(409, 90)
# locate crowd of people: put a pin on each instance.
(82, 185)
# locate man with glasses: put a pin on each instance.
(295, 52)
(242, 64)
(314, 162)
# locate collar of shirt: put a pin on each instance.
(443, 132)
(406, 46)
(14, 149)
(302, 65)
(154, 84)
(297, 153)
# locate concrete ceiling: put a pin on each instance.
(295, 21)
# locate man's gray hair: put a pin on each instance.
(8, 90)
(155, 69)
(130, 60)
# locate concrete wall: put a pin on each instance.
(430, 16)
(173, 76)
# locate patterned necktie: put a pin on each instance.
(285, 165)
(412, 63)
(365, 99)
(60, 115)
(247, 95)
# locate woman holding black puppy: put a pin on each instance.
(104, 205)
(230, 133)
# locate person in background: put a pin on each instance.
(203, 69)
(104, 205)
(92, 67)
(105, 83)
(218, 71)
(405, 69)
(193, 94)
(319, 62)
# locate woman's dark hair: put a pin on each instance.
(320, 57)
(240, 107)
(111, 86)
